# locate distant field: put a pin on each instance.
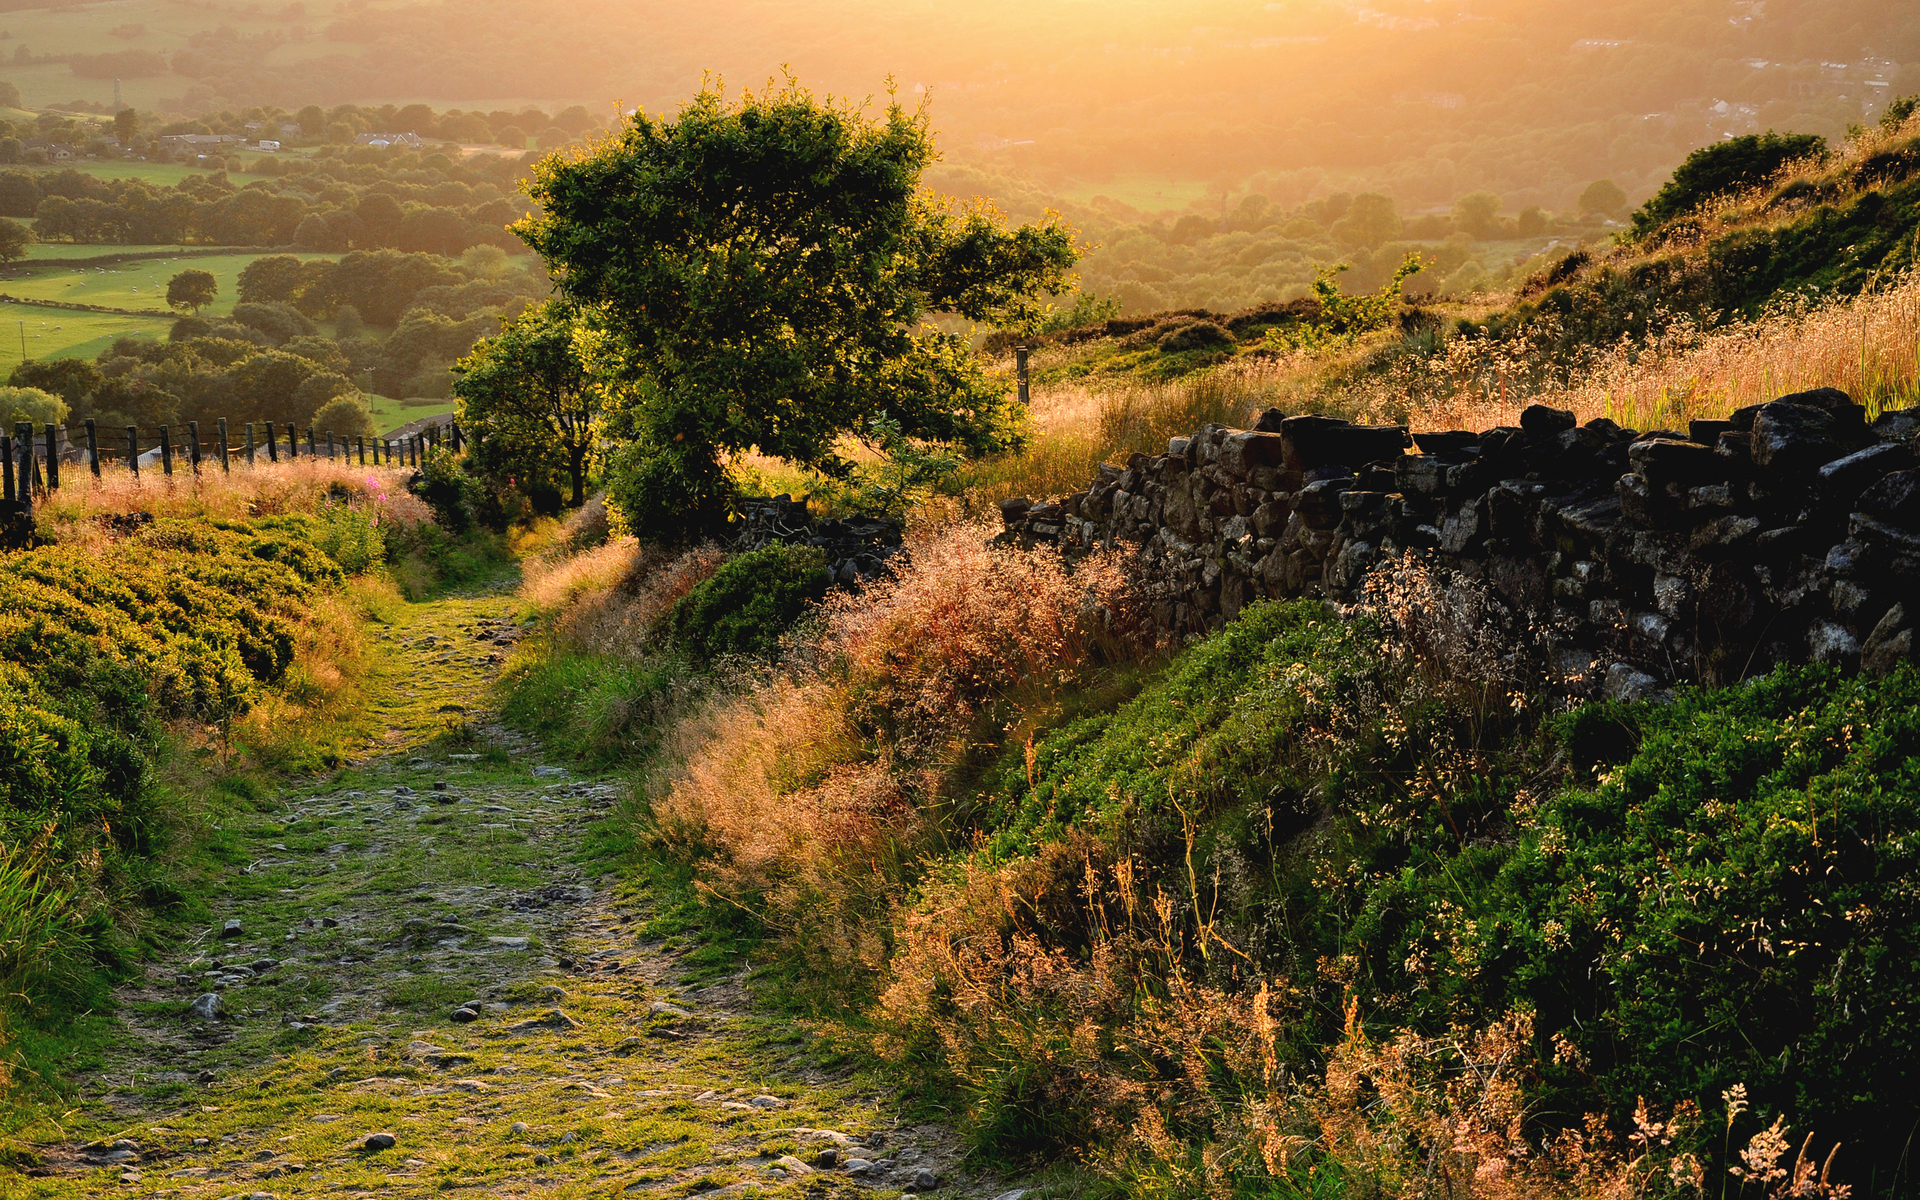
(389, 414)
(138, 284)
(60, 333)
(41, 251)
(1149, 195)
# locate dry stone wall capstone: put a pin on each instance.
(1788, 532)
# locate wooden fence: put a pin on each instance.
(24, 451)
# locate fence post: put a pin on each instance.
(193, 445)
(273, 444)
(311, 452)
(93, 448)
(225, 466)
(293, 442)
(133, 450)
(1020, 369)
(166, 449)
(249, 443)
(329, 445)
(6, 452)
(53, 459)
(453, 429)
(360, 439)
(23, 446)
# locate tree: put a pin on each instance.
(272, 278)
(1725, 167)
(1370, 221)
(762, 269)
(10, 150)
(380, 215)
(14, 240)
(1604, 196)
(312, 120)
(126, 124)
(192, 289)
(529, 401)
(32, 405)
(1477, 213)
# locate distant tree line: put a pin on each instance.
(270, 361)
(410, 202)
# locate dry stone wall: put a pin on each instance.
(1788, 532)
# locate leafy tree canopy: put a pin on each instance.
(531, 400)
(1723, 167)
(14, 240)
(192, 289)
(763, 268)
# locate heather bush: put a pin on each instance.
(105, 644)
(811, 794)
(744, 607)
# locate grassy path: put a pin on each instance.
(423, 990)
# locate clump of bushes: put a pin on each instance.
(101, 647)
(744, 607)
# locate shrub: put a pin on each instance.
(1723, 167)
(746, 605)
(1196, 335)
(99, 644)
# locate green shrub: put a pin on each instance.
(746, 605)
(1721, 168)
(1720, 893)
(184, 619)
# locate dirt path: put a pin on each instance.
(422, 991)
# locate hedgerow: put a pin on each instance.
(102, 646)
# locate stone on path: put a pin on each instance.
(231, 929)
(206, 1007)
(379, 1141)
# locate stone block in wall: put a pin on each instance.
(1420, 474)
(1724, 536)
(1834, 644)
(1243, 453)
(1451, 446)
(1840, 482)
(1793, 439)
(1326, 441)
(1897, 425)
(1540, 421)
(1271, 518)
(1318, 503)
(1465, 528)
(1663, 461)
(1892, 642)
(1894, 500)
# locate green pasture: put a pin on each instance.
(141, 283)
(41, 251)
(1149, 194)
(62, 333)
(391, 413)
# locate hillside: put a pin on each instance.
(1291, 100)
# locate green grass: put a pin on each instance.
(64, 333)
(1147, 193)
(41, 251)
(138, 284)
(391, 412)
(161, 174)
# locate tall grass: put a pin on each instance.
(1078, 425)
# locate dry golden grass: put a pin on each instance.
(1867, 345)
(812, 788)
(262, 490)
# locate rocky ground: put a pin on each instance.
(423, 983)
